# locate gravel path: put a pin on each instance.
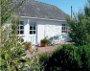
(40, 50)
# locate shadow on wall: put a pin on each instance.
(59, 38)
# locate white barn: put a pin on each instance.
(39, 20)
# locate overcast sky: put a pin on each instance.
(65, 5)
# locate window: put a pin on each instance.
(64, 28)
(32, 28)
(21, 27)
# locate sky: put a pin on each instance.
(65, 5)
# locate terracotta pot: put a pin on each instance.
(43, 44)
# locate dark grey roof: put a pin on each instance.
(34, 8)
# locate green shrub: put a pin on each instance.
(45, 42)
(34, 64)
(62, 59)
(43, 57)
(85, 55)
(67, 58)
(28, 46)
(13, 58)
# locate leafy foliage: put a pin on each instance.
(45, 42)
(13, 56)
(62, 60)
(67, 58)
(8, 7)
(80, 27)
(85, 55)
(78, 32)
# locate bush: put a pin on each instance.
(13, 56)
(67, 58)
(80, 26)
(43, 57)
(62, 59)
(45, 42)
(34, 64)
(28, 46)
(85, 56)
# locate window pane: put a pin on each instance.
(32, 28)
(63, 24)
(63, 28)
(21, 32)
(21, 27)
(32, 32)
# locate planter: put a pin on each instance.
(44, 44)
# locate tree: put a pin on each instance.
(8, 7)
(80, 27)
(87, 16)
(13, 56)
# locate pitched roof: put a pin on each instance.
(34, 8)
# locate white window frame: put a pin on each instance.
(33, 30)
(64, 28)
(21, 30)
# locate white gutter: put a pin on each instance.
(41, 18)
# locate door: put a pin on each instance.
(32, 32)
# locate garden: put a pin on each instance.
(66, 57)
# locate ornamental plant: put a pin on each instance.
(45, 42)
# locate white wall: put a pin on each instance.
(45, 28)
(27, 36)
(49, 29)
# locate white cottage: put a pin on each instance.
(39, 20)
